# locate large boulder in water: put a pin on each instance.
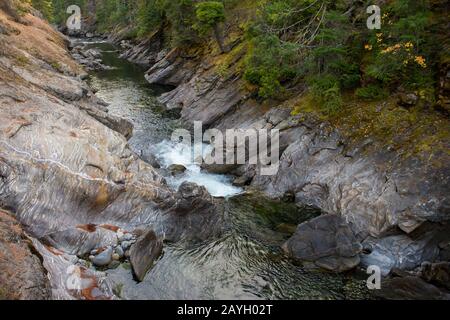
(194, 215)
(192, 197)
(326, 242)
(144, 252)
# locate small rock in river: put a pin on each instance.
(119, 251)
(104, 258)
(176, 169)
(114, 265)
(241, 181)
(126, 244)
(126, 237)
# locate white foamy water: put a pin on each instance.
(169, 153)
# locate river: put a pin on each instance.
(246, 262)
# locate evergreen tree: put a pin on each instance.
(209, 15)
(45, 7)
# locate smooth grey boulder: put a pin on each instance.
(399, 251)
(194, 216)
(144, 252)
(218, 168)
(119, 251)
(327, 242)
(150, 159)
(104, 258)
(81, 240)
(241, 181)
(126, 245)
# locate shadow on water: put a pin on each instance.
(246, 262)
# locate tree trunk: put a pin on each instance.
(219, 39)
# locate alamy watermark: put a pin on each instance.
(74, 21)
(237, 146)
(374, 280)
(374, 20)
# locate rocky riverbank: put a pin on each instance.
(389, 192)
(69, 178)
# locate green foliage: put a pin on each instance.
(181, 17)
(400, 53)
(149, 16)
(371, 92)
(326, 91)
(45, 7)
(323, 43)
(269, 64)
(298, 39)
(112, 13)
(208, 14)
(319, 40)
(60, 15)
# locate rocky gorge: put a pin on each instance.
(389, 204)
(69, 179)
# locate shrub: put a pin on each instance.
(371, 92)
(326, 92)
(270, 63)
(209, 15)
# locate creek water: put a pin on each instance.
(246, 262)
